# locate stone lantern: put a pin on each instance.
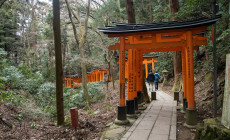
(165, 76)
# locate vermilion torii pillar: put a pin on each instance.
(122, 109)
(130, 88)
(139, 70)
(191, 112)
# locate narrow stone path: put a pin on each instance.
(158, 122)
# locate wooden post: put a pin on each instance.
(122, 110)
(94, 76)
(153, 66)
(191, 113)
(141, 71)
(134, 73)
(190, 74)
(138, 67)
(126, 69)
(184, 72)
(74, 117)
(145, 62)
(122, 72)
(130, 95)
(130, 75)
(103, 75)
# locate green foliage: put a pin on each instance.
(8, 26)
(16, 79)
(94, 112)
(46, 97)
(104, 16)
(19, 117)
(165, 61)
(190, 9)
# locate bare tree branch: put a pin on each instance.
(87, 16)
(72, 22)
(76, 15)
(96, 3)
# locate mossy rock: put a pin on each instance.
(211, 121)
(212, 130)
(165, 83)
(208, 77)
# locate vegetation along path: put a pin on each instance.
(158, 122)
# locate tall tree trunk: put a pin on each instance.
(27, 53)
(58, 58)
(84, 73)
(64, 56)
(150, 11)
(130, 11)
(51, 64)
(118, 3)
(108, 60)
(174, 7)
(34, 33)
(68, 58)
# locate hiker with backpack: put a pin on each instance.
(157, 77)
(150, 79)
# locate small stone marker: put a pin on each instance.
(226, 105)
(176, 96)
(153, 96)
(74, 117)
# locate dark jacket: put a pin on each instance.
(150, 77)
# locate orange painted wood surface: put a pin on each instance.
(190, 71)
(94, 76)
(122, 72)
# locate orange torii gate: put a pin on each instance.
(156, 37)
(94, 76)
(147, 61)
(67, 82)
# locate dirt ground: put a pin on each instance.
(35, 126)
(91, 126)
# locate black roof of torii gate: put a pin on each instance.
(131, 28)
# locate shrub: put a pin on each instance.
(95, 90)
(45, 98)
(13, 76)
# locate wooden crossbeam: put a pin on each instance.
(146, 57)
(175, 49)
(155, 45)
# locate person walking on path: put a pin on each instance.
(150, 79)
(157, 77)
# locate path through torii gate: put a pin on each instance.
(156, 37)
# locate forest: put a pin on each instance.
(34, 99)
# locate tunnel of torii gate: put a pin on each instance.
(146, 61)
(156, 37)
(94, 76)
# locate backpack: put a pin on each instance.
(150, 77)
(156, 76)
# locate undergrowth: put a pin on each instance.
(18, 83)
